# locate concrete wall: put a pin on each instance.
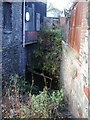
(74, 71)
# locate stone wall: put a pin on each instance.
(0, 60)
(15, 57)
(12, 50)
(51, 23)
(89, 57)
(74, 71)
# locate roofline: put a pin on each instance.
(43, 1)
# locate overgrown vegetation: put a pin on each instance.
(43, 105)
(19, 100)
(49, 51)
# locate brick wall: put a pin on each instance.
(75, 76)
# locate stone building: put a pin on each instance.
(19, 26)
(75, 68)
(51, 23)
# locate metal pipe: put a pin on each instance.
(23, 23)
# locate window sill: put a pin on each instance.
(7, 32)
(29, 43)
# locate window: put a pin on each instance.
(28, 19)
(37, 21)
(27, 16)
(7, 16)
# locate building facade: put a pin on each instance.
(19, 25)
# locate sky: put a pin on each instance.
(60, 4)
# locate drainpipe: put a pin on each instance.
(23, 23)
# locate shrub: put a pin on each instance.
(32, 106)
(42, 105)
(49, 51)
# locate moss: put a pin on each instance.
(67, 50)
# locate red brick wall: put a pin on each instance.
(75, 73)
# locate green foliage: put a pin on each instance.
(48, 52)
(68, 50)
(77, 56)
(34, 106)
(41, 105)
(48, 56)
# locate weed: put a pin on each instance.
(35, 106)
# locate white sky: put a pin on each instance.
(60, 4)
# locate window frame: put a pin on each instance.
(7, 17)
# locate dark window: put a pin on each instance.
(7, 16)
(37, 21)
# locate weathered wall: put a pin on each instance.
(29, 55)
(32, 35)
(89, 57)
(1, 41)
(75, 71)
(0, 60)
(15, 57)
(12, 49)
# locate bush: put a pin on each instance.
(32, 106)
(49, 51)
(42, 105)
